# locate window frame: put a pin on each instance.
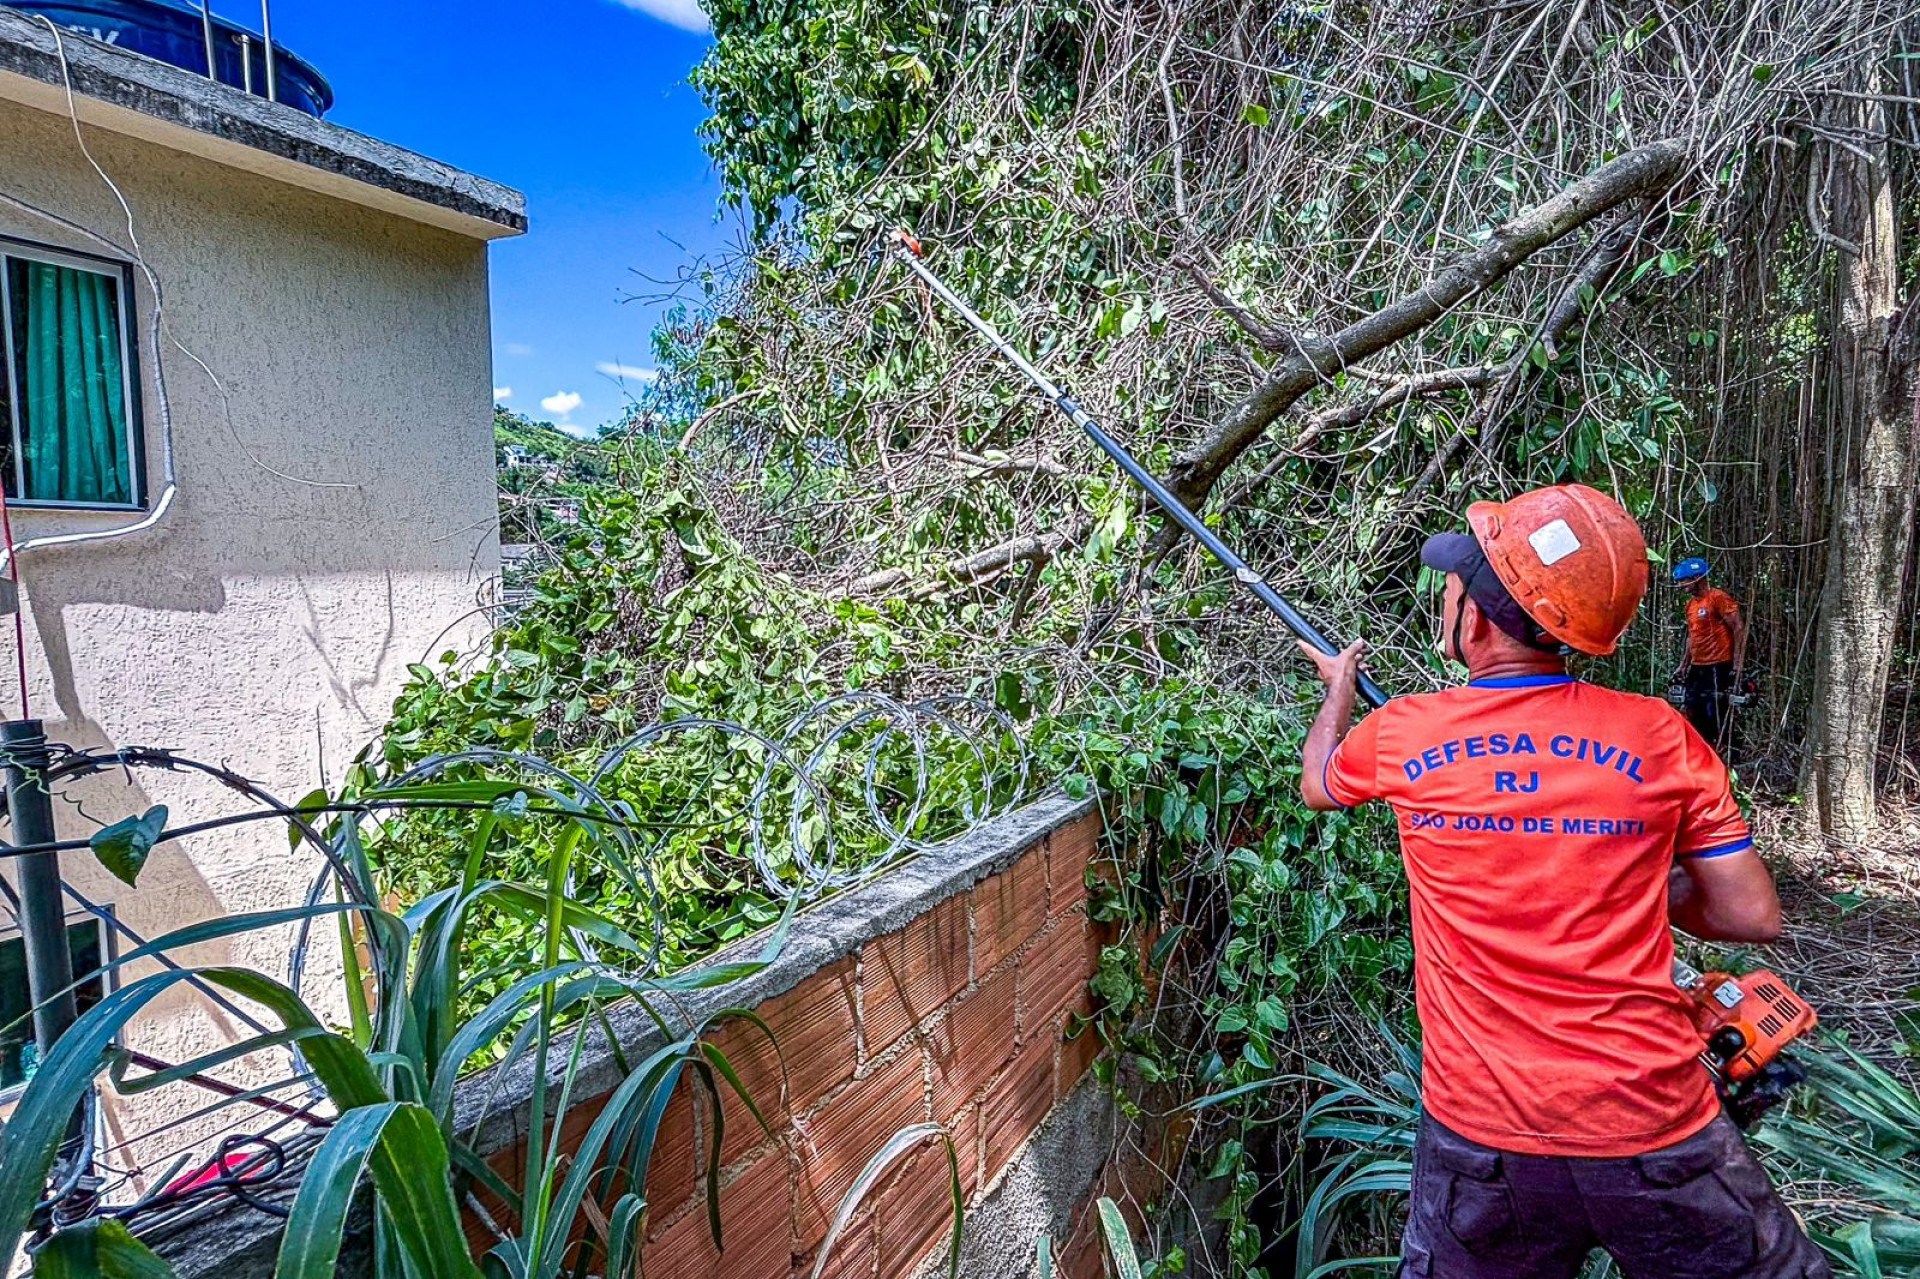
(109, 974)
(122, 272)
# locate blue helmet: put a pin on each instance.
(1690, 570)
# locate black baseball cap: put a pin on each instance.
(1460, 554)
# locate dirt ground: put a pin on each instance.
(1852, 940)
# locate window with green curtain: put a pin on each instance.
(70, 433)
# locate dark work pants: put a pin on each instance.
(1709, 701)
(1701, 1209)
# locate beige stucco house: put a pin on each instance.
(275, 339)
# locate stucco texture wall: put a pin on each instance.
(335, 517)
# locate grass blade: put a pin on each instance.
(1113, 1227)
(898, 1147)
(399, 1144)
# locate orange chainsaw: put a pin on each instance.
(1745, 1023)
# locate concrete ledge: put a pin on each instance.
(140, 97)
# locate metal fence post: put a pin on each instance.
(43, 921)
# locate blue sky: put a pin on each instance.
(583, 105)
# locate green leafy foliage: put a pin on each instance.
(98, 1250)
(123, 846)
(1227, 887)
(650, 611)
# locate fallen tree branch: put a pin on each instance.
(1347, 415)
(1644, 171)
(976, 569)
(687, 440)
(1593, 276)
(989, 467)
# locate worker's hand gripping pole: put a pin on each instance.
(908, 250)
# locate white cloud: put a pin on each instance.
(627, 372)
(562, 404)
(684, 14)
(577, 431)
(501, 394)
(519, 350)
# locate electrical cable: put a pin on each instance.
(220, 1175)
(159, 337)
(133, 238)
(214, 1108)
(157, 324)
(365, 808)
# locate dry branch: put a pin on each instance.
(976, 569)
(1644, 171)
(1265, 335)
(1594, 275)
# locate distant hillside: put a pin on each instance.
(544, 472)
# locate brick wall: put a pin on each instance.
(960, 1014)
(961, 1017)
(942, 991)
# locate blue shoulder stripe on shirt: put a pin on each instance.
(1722, 850)
(1521, 681)
(1325, 765)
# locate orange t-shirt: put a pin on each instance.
(1539, 817)
(1710, 627)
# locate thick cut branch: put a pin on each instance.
(994, 467)
(1593, 275)
(1638, 173)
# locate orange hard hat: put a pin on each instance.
(1571, 557)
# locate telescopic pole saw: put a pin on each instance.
(908, 250)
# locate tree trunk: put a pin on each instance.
(1872, 503)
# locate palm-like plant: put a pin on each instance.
(392, 1077)
(1380, 1123)
(1859, 1127)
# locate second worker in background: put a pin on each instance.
(1716, 654)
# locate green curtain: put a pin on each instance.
(73, 409)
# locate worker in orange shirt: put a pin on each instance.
(1552, 831)
(1716, 652)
